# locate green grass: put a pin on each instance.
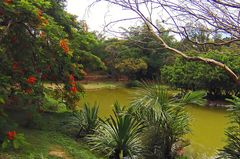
(42, 143)
(91, 85)
(47, 140)
(100, 85)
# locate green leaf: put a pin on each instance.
(5, 144)
(16, 144)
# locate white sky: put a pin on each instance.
(101, 13)
(95, 17)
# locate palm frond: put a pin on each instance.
(165, 118)
(119, 133)
(196, 97)
(232, 149)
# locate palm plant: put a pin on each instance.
(119, 135)
(232, 149)
(88, 118)
(83, 122)
(166, 119)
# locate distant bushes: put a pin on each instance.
(201, 76)
(132, 84)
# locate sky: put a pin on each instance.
(99, 14)
(94, 17)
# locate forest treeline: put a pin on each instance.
(138, 56)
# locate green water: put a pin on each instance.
(207, 124)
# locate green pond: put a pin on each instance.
(207, 124)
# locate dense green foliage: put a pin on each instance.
(165, 118)
(199, 76)
(232, 148)
(40, 41)
(82, 122)
(49, 145)
(137, 55)
(118, 136)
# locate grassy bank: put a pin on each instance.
(47, 140)
(100, 85)
(49, 145)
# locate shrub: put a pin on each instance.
(13, 140)
(232, 148)
(132, 84)
(5, 124)
(165, 118)
(199, 76)
(118, 136)
(83, 122)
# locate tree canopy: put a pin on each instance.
(40, 41)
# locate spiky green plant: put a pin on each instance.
(119, 136)
(232, 148)
(82, 122)
(88, 119)
(165, 117)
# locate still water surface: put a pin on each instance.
(207, 124)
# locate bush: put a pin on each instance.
(132, 84)
(83, 122)
(13, 140)
(5, 125)
(119, 136)
(165, 118)
(201, 76)
(232, 149)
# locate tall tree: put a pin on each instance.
(39, 40)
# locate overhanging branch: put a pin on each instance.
(213, 62)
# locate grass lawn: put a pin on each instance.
(47, 142)
(91, 85)
(100, 85)
(49, 145)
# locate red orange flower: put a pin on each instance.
(73, 83)
(39, 15)
(40, 12)
(31, 80)
(15, 66)
(11, 135)
(29, 90)
(64, 45)
(42, 34)
(73, 89)
(8, 1)
(45, 22)
(71, 78)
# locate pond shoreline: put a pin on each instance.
(111, 84)
(212, 119)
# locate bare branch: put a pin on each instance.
(215, 16)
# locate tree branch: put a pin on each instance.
(231, 74)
